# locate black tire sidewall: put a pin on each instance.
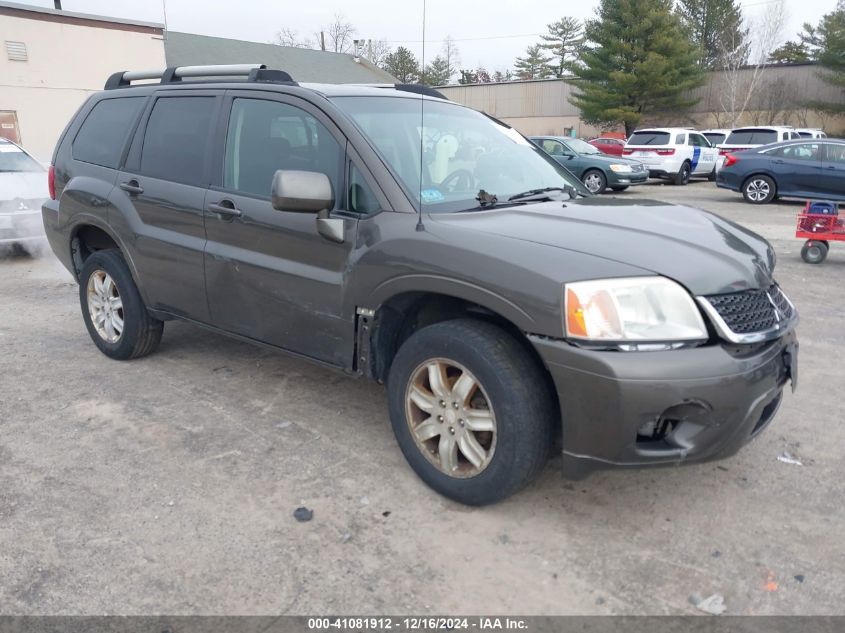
(683, 174)
(134, 311)
(822, 252)
(515, 461)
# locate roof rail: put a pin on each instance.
(419, 89)
(175, 74)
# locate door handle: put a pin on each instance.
(226, 208)
(778, 162)
(132, 187)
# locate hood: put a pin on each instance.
(24, 185)
(702, 251)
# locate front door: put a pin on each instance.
(163, 184)
(703, 154)
(270, 275)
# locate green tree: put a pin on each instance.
(563, 41)
(535, 65)
(711, 23)
(402, 64)
(437, 73)
(468, 76)
(831, 56)
(791, 53)
(636, 63)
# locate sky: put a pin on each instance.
(489, 33)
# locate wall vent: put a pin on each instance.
(16, 51)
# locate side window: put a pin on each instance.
(265, 136)
(553, 147)
(679, 139)
(804, 151)
(101, 138)
(361, 197)
(835, 153)
(176, 139)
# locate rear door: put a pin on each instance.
(833, 169)
(163, 187)
(270, 275)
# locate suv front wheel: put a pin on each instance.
(113, 310)
(471, 410)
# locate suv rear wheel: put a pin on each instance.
(471, 410)
(683, 175)
(113, 310)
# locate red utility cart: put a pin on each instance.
(819, 223)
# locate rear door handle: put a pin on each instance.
(132, 187)
(226, 208)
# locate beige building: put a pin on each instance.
(51, 61)
(776, 95)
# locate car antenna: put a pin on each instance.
(420, 226)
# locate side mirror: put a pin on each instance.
(301, 191)
(568, 156)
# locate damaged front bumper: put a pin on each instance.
(634, 409)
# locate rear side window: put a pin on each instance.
(101, 138)
(176, 139)
(752, 137)
(649, 138)
(803, 151)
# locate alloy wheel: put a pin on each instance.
(450, 418)
(105, 306)
(757, 190)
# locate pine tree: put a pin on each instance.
(402, 64)
(636, 63)
(437, 72)
(831, 57)
(535, 65)
(563, 41)
(791, 53)
(711, 23)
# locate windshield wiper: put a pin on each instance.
(544, 194)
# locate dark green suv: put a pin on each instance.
(391, 234)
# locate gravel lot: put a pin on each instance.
(167, 484)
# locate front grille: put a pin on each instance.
(752, 311)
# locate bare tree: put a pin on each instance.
(452, 55)
(377, 51)
(289, 37)
(743, 60)
(339, 35)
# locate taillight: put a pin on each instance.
(627, 151)
(666, 152)
(730, 159)
(51, 182)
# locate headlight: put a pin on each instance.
(632, 310)
(621, 169)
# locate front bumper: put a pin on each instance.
(717, 398)
(626, 179)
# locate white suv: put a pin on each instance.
(754, 136)
(673, 153)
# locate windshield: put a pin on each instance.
(582, 147)
(463, 152)
(13, 158)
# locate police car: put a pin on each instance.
(673, 153)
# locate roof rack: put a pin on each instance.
(175, 74)
(419, 89)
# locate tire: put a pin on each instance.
(814, 251)
(140, 333)
(683, 175)
(712, 175)
(759, 189)
(519, 408)
(594, 180)
(622, 188)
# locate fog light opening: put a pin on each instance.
(656, 430)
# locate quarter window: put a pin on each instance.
(176, 139)
(101, 138)
(265, 136)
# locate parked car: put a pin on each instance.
(609, 145)
(750, 137)
(596, 170)
(807, 132)
(676, 154)
(506, 309)
(793, 169)
(23, 189)
(716, 136)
